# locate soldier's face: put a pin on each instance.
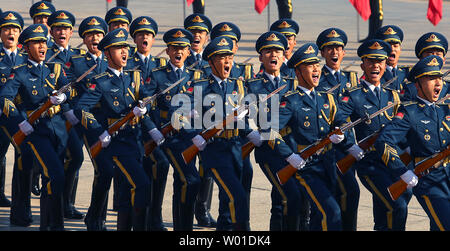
(41, 19)
(429, 87)
(308, 75)
(272, 59)
(10, 36)
(333, 54)
(36, 50)
(291, 43)
(117, 56)
(221, 65)
(200, 39)
(435, 52)
(178, 54)
(395, 54)
(91, 40)
(117, 25)
(144, 42)
(235, 47)
(373, 69)
(61, 35)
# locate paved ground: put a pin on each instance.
(313, 17)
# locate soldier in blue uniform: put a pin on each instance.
(242, 71)
(118, 93)
(226, 146)
(332, 42)
(290, 29)
(431, 43)
(143, 30)
(394, 36)
(120, 17)
(40, 12)
(35, 82)
(61, 24)
(424, 123)
(368, 98)
(186, 178)
(310, 115)
(92, 30)
(11, 24)
(200, 27)
(286, 199)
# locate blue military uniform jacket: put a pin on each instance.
(191, 60)
(427, 132)
(62, 57)
(6, 64)
(402, 73)
(117, 97)
(135, 62)
(31, 88)
(263, 85)
(347, 79)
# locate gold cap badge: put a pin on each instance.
(272, 37)
(93, 22)
(432, 38)
(38, 29)
(333, 33)
(433, 62)
(225, 27)
(119, 12)
(390, 31)
(283, 25)
(223, 42)
(62, 15)
(309, 50)
(144, 21)
(178, 34)
(197, 19)
(10, 17)
(375, 46)
(42, 7)
(120, 34)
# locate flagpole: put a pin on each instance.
(184, 9)
(357, 26)
(268, 16)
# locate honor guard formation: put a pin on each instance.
(315, 130)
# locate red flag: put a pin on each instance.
(362, 7)
(189, 2)
(434, 13)
(109, 1)
(260, 5)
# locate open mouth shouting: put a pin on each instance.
(61, 40)
(315, 77)
(436, 92)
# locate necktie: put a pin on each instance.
(276, 82)
(377, 92)
(146, 62)
(313, 96)
(179, 73)
(13, 58)
(394, 72)
(199, 58)
(336, 76)
(223, 85)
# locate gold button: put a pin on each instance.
(320, 116)
(321, 128)
(441, 129)
(426, 130)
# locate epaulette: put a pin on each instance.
(405, 67)
(159, 68)
(408, 103)
(101, 75)
(80, 50)
(132, 70)
(254, 79)
(289, 93)
(18, 66)
(354, 88)
(200, 80)
(78, 56)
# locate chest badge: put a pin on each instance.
(34, 92)
(306, 124)
(427, 137)
(116, 103)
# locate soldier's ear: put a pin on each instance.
(167, 50)
(260, 57)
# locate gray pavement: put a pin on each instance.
(313, 17)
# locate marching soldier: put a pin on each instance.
(61, 24)
(290, 29)
(331, 43)
(431, 43)
(310, 115)
(11, 24)
(35, 83)
(40, 12)
(286, 199)
(118, 91)
(200, 27)
(368, 98)
(143, 30)
(242, 71)
(186, 177)
(423, 122)
(394, 36)
(92, 30)
(226, 146)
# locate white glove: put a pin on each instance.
(139, 111)
(200, 142)
(255, 138)
(156, 136)
(356, 152)
(337, 138)
(58, 99)
(71, 117)
(26, 128)
(410, 178)
(296, 161)
(105, 138)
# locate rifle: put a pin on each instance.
(150, 145)
(396, 189)
(390, 81)
(345, 163)
(284, 174)
(247, 60)
(189, 154)
(19, 136)
(114, 127)
(54, 56)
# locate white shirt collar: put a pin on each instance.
(218, 79)
(428, 103)
(116, 72)
(142, 57)
(307, 91)
(8, 52)
(390, 68)
(272, 77)
(62, 48)
(371, 86)
(94, 56)
(34, 63)
(174, 68)
(332, 71)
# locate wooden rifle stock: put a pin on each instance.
(150, 145)
(346, 163)
(247, 149)
(190, 152)
(396, 190)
